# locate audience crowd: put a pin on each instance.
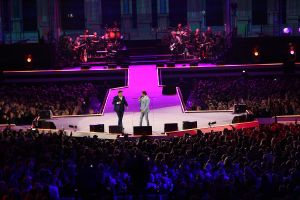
(264, 96)
(20, 104)
(260, 163)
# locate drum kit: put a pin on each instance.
(114, 34)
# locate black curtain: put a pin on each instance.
(259, 12)
(177, 12)
(111, 12)
(154, 14)
(5, 15)
(282, 11)
(72, 14)
(134, 14)
(214, 13)
(29, 10)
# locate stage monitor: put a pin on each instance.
(189, 125)
(170, 64)
(112, 65)
(142, 130)
(97, 128)
(160, 64)
(115, 129)
(85, 67)
(169, 127)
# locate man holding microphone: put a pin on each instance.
(144, 107)
(120, 104)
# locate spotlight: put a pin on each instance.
(29, 58)
(287, 30)
(289, 63)
(292, 52)
(70, 15)
(256, 55)
(244, 74)
(256, 52)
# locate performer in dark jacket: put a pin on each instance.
(120, 104)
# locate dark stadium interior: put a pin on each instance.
(149, 99)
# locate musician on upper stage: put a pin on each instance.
(85, 34)
(94, 43)
(69, 43)
(77, 48)
(95, 37)
(197, 37)
(175, 38)
(209, 34)
(175, 44)
(197, 42)
(179, 27)
(77, 44)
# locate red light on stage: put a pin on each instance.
(29, 58)
(255, 52)
(291, 53)
(256, 55)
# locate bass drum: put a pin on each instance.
(112, 35)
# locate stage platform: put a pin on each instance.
(164, 108)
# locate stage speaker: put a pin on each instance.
(115, 129)
(193, 64)
(85, 67)
(97, 128)
(239, 108)
(170, 64)
(171, 127)
(46, 125)
(142, 130)
(169, 90)
(124, 65)
(189, 125)
(45, 114)
(111, 65)
(160, 64)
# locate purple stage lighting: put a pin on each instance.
(287, 30)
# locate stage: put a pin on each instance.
(135, 79)
(163, 108)
(132, 81)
